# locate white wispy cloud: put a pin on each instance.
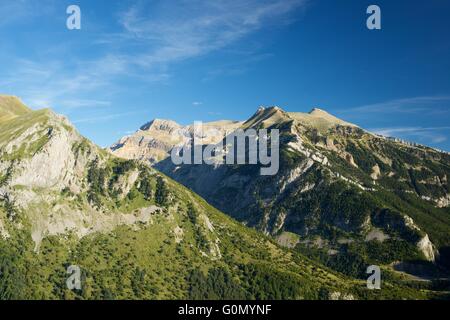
(424, 134)
(53, 84)
(80, 103)
(103, 118)
(197, 103)
(152, 37)
(430, 104)
(182, 30)
(424, 107)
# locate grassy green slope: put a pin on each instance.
(11, 107)
(146, 261)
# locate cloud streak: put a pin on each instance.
(103, 118)
(151, 37)
(185, 30)
(424, 134)
(53, 84)
(429, 104)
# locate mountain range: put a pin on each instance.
(135, 226)
(341, 191)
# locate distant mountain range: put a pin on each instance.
(137, 234)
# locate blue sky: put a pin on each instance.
(133, 61)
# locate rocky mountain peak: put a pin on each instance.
(267, 116)
(318, 112)
(160, 124)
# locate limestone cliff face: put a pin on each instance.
(55, 165)
(43, 154)
(444, 201)
(427, 248)
(44, 164)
